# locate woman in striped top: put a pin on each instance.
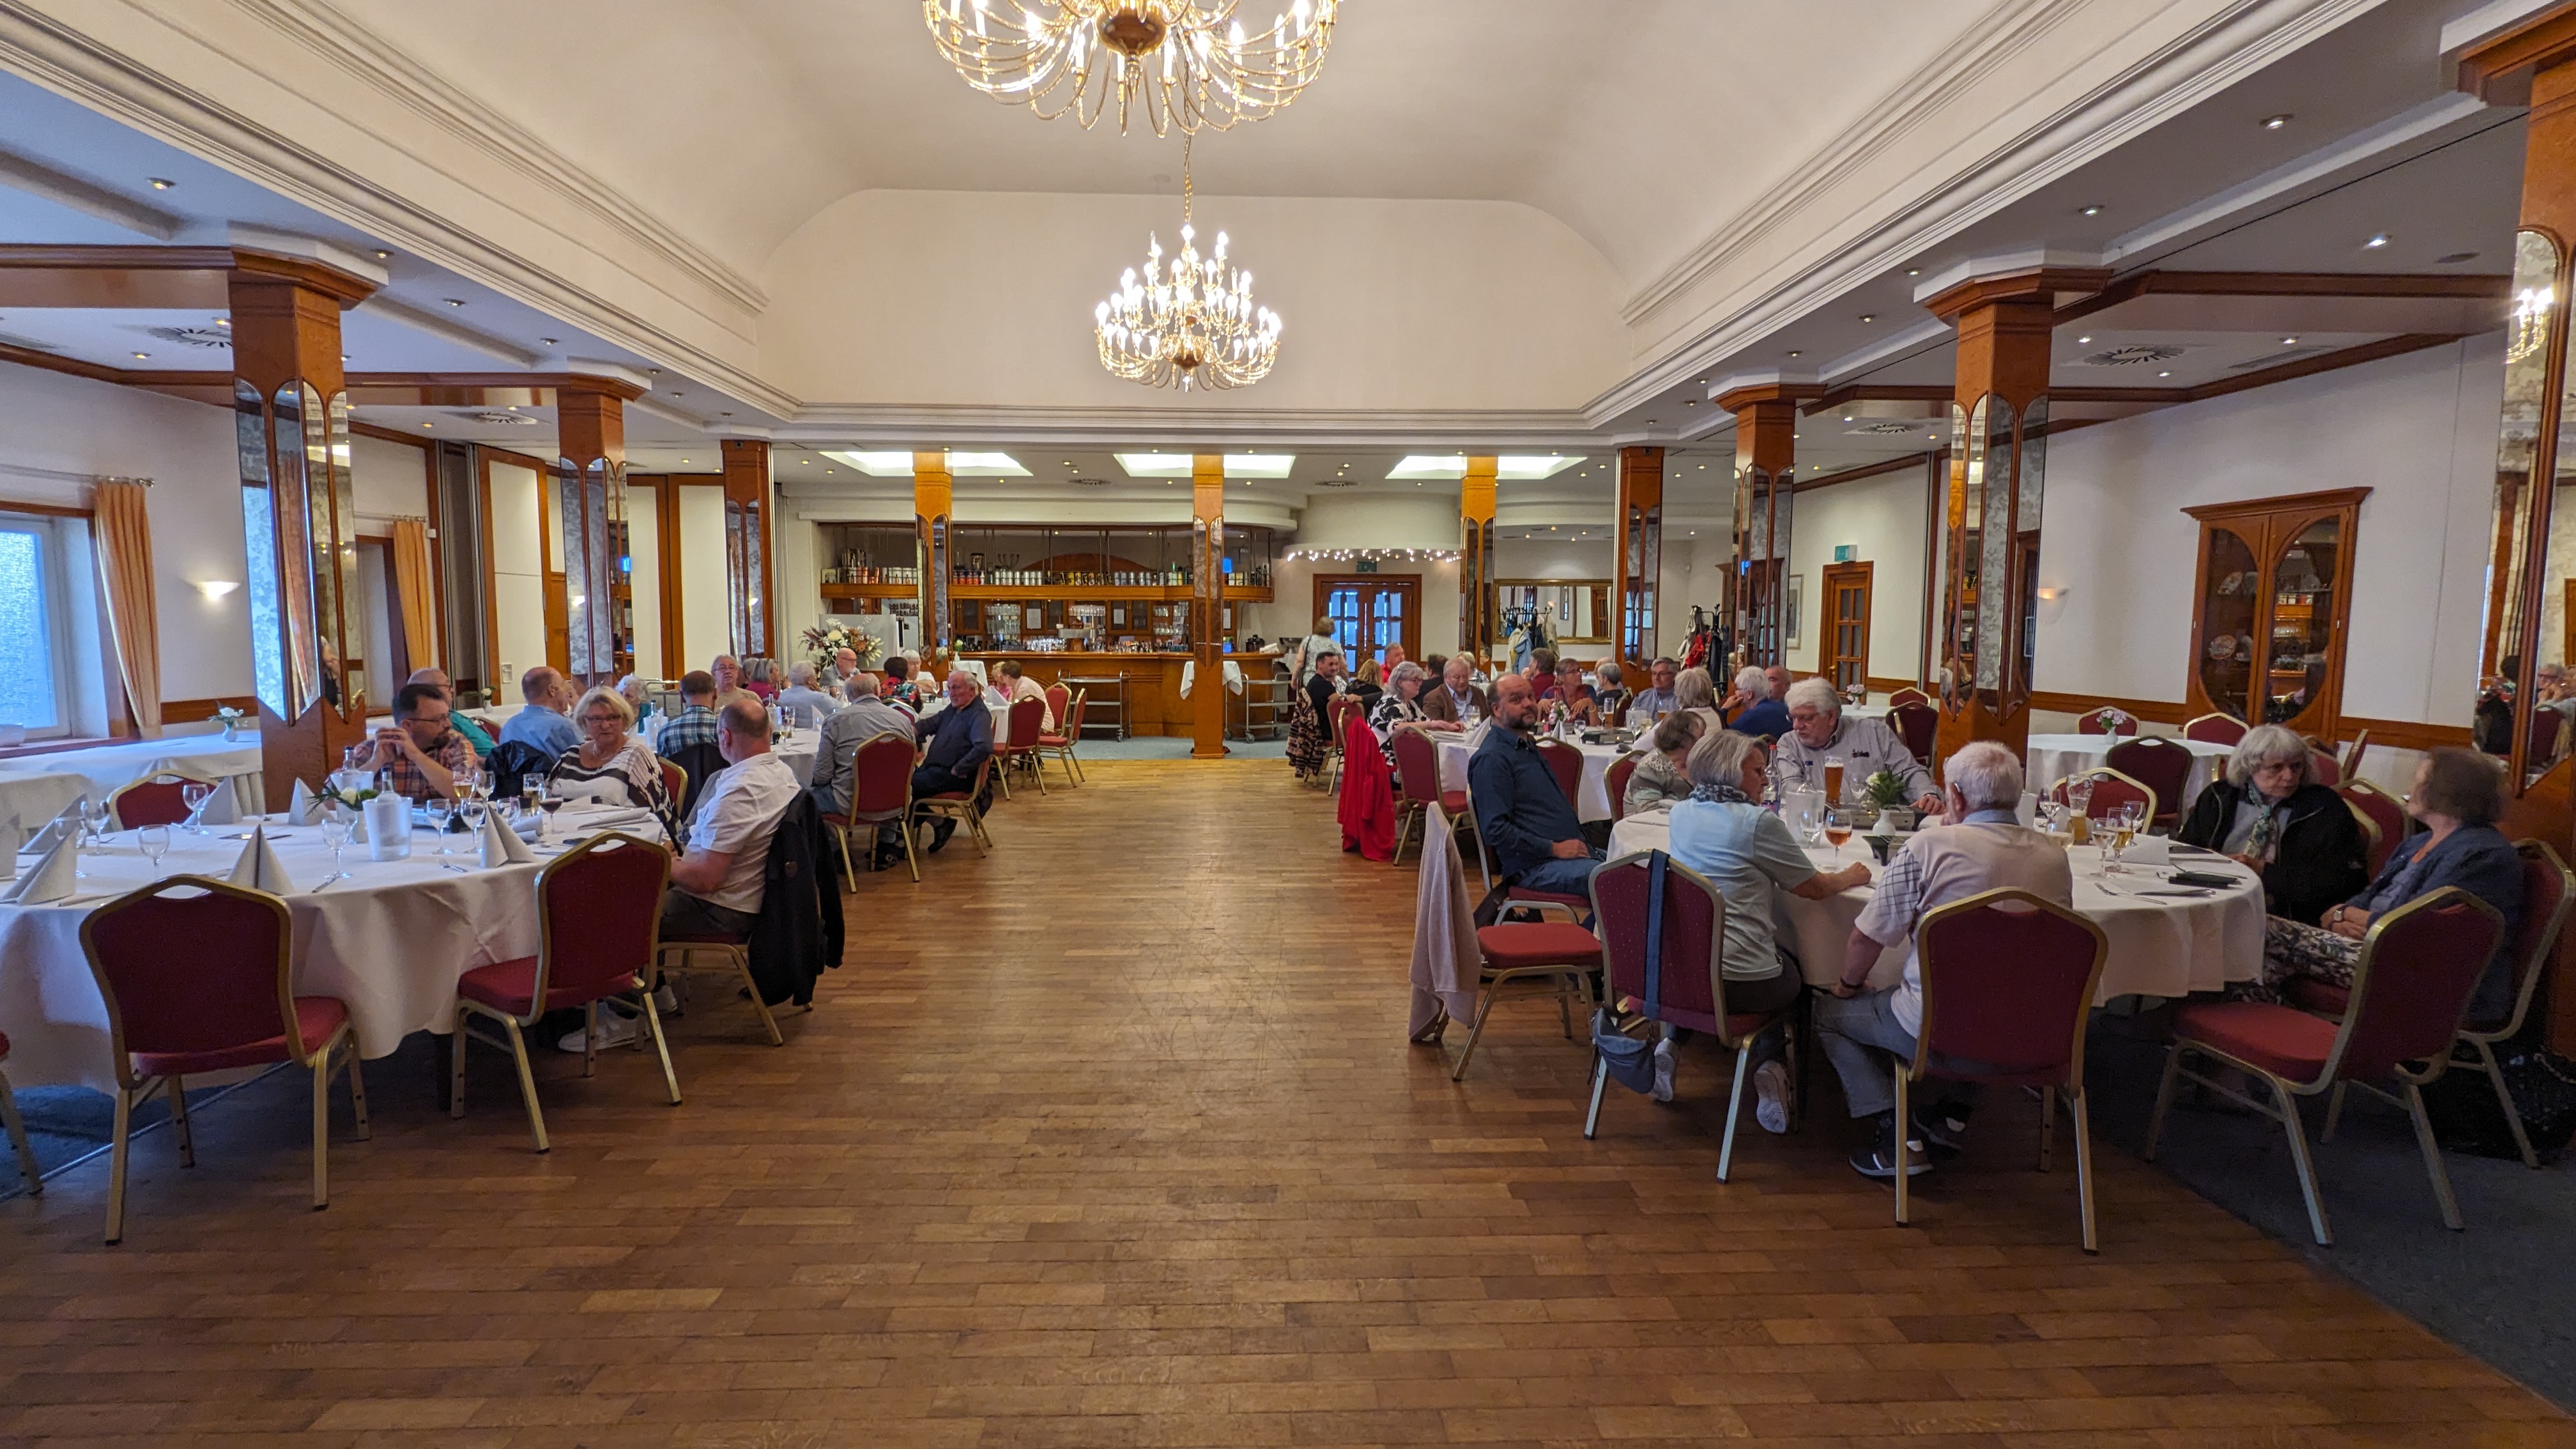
(611, 766)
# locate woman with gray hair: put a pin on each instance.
(1694, 690)
(1399, 706)
(1611, 695)
(2272, 816)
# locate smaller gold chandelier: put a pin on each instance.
(1198, 329)
(1190, 63)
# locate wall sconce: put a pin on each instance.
(2053, 592)
(217, 588)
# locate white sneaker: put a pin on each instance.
(615, 1029)
(1663, 1091)
(667, 1000)
(1771, 1097)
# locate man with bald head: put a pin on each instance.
(463, 723)
(541, 722)
(960, 740)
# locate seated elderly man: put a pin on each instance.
(1656, 700)
(1820, 732)
(1531, 828)
(806, 706)
(1980, 845)
(463, 723)
(845, 662)
(1757, 713)
(541, 722)
(717, 881)
(960, 741)
(835, 770)
(1456, 696)
(695, 724)
(418, 752)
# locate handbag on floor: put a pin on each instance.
(1631, 1060)
(2467, 1117)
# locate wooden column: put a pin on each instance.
(1207, 594)
(291, 415)
(1991, 522)
(1479, 609)
(747, 487)
(933, 500)
(1637, 564)
(1766, 462)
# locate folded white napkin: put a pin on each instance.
(223, 807)
(305, 808)
(259, 868)
(51, 880)
(65, 823)
(2151, 850)
(498, 846)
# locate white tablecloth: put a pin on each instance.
(1190, 673)
(2054, 757)
(391, 942)
(1591, 799)
(1001, 715)
(2160, 945)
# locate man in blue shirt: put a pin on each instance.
(541, 721)
(1528, 823)
(1764, 717)
(961, 739)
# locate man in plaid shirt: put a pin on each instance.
(420, 755)
(696, 723)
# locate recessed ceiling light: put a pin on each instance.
(1793, 352)
(140, 356)
(162, 183)
(804, 462)
(1847, 417)
(2093, 210)
(1690, 402)
(2164, 374)
(1869, 316)
(545, 342)
(2376, 242)
(223, 321)
(2083, 341)
(2289, 342)
(2274, 123)
(424, 426)
(455, 301)
(1914, 271)
(675, 392)
(684, 460)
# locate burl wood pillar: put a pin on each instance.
(1766, 463)
(1207, 605)
(1479, 607)
(2534, 63)
(2005, 324)
(1637, 564)
(291, 421)
(933, 500)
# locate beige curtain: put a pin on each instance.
(124, 536)
(411, 581)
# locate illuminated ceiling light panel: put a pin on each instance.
(1179, 465)
(961, 465)
(1430, 465)
(1522, 467)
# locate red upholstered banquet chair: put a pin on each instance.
(675, 781)
(1615, 779)
(156, 799)
(1058, 746)
(1908, 695)
(2008, 982)
(2384, 816)
(1919, 726)
(1566, 763)
(958, 805)
(2214, 729)
(2106, 720)
(1059, 701)
(1417, 777)
(880, 791)
(2323, 764)
(17, 1127)
(1558, 953)
(1027, 722)
(1337, 710)
(2159, 764)
(599, 918)
(2418, 965)
(224, 999)
(2350, 764)
(1692, 981)
(2111, 790)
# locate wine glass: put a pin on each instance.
(1838, 829)
(155, 840)
(440, 811)
(531, 789)
(194, 794)
(550, 804)
(336, 820)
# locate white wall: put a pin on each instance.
(644, 551)
(387, 481)
(518, 577)
(1380, 520)
(706, 609)
(1882, 518)
(375, 626)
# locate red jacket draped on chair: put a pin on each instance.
(1368, 795)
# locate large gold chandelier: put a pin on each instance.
(1198, 329)
(1190, 63)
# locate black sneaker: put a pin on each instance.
(1942, 1129)
(1878, 1159)
(940, 832)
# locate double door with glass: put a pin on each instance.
(1369, 612)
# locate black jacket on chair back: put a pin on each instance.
(798, 931)
(702, 762)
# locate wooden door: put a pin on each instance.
(1370, 612)
(1844, 652)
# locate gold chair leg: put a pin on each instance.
(1735, 1110)
(2334, 1111)
(456, 1069)
(1037, 767)
(2164, 1099)
(1003, 776)
(661, 1044)
(2504, 1098)
(2083, 1164)
(742, 961)
(179, 1124)
(911, 851)
(527, 1083)
(1600, 1080)
(1904, 1125)
(120, 1147)
(1484, 1008)
(322, 1132)
(2432, 1151)
(2288, 1108)
(589, 1038)
(17, 1129)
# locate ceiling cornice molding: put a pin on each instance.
(2245, 36)
(1473, 430)
(73, 65)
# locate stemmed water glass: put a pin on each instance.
(440, 810)
(155, 840)
(195, 794)
(336, 820)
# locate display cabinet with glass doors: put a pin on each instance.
(2274, 590)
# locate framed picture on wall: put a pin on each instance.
(1793, 627)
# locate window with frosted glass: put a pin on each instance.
(29, 696)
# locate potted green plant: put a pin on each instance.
(1886, 795)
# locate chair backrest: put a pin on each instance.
(2547, 892)
(2111, 790)
(1417, 766)
(1059, 701)
(155, 799)
(2350, 764)
(1919, 726)
(1027, 722)
(2106, 720)
(699, 763)
(2008, 979)
(881, 774)
(1566, 762)
(675, 780)
(599, 916)
(2215, 729)
(2546, 726)
(1069, 724)
(2418, 965)
(512, 760)
(1908, 695)
(1616, 777)
(2160, 765)
(2321, 764)
(231, 986)
(2386, 816)
(1693, 987)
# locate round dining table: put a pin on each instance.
(2052, 758)
(1591, 798)
(2165, 940)
(390, 941)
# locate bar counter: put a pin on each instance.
(1153, 682)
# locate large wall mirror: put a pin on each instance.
(1568, 611)
(1988, 556)
(2524, 704)
(299, 532)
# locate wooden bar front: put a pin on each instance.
(1154, 703)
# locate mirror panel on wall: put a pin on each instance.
(2503, 723)
(1995, 543)
(1964, 553)
(263, 585)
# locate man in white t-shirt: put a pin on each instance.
(716, 882)
(1979, 846)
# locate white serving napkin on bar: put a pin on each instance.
(51, 880)
(259, 868)
(500, 847)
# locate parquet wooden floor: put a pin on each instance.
(1115, 1138)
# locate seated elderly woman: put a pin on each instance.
(611, 766)
(1574, 699)
(1694, 690)
(1747, 852)
(2457, 795)
(1659, 778)
(1610, 698)
(632, 689)
(1399, 706)
(2272, 816)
